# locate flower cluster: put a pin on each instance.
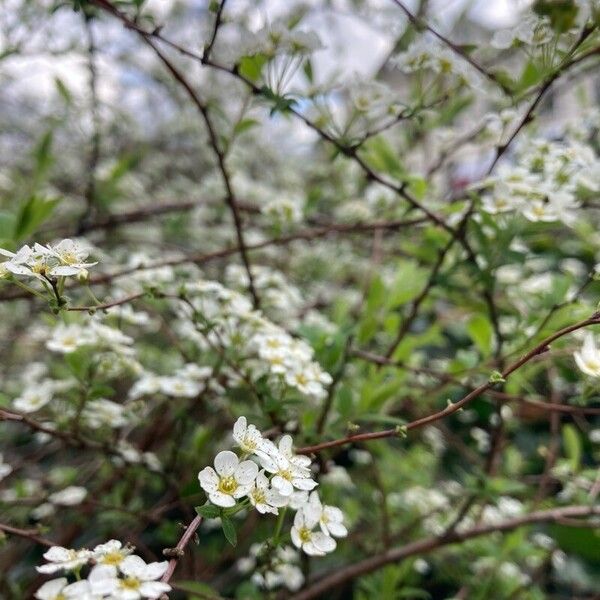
(283, 479)
(47, 263)
(529, 31)
(427, 53)
(116, 574)
(266, 348)
(547, 181)
(280, 568)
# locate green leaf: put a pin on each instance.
(530, 76)
(251, 67)
(229, 530)
(308, 70)
(244, 125)
(208, 511)
(32, 214)
(480, 330)
(63, 90)
(408, 283)
(382, 157)
(42, 155)
(572, 445)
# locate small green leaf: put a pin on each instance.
(245, 125)
(251, 67)
(229, 530)
(32, 214)
(208, 511)
(308, 70)
(496, 377)
(572, 444)
(480, 330)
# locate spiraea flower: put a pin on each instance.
(111, 553)
(139, 579)
(304, 536)
(287, 475)
(64, 559)
(588, 358)
(249, 438)
(70, 496)
(230, 480)
(331, 518)
(71, 258)
(264, 498)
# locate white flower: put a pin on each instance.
(71, 257)
(111, 553)
(287, 475)
(229, 480)
(179, 387)
(264, 498)
(70, 496)
(249, 438)
(331, 518)
(104, 412)
(139, 579)
(29, 262)
(588, 358)
(147, 384)
(33, 398)
(5, 469)
(52, 590)
(60, 559)
(67, 338)
(313, 543)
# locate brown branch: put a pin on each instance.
(29, 534)
(368, 565)
(198, 259)
(257, 90)
(454, 406)
(178, 551)
(213, 37)
(420, 23)
(544, 87)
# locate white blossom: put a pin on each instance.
(229, 481)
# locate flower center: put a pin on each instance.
(286, 474)
(305, 535)
(259, 496)
(249, 443)
(112, 558)
(68, 257)
(130, 583)
(39, 267)
(227, 485)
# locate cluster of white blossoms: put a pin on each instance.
(269, 477)
(116, 574)
(280, 299)
(46, 263)
(530, 30)
(271, 570)
(272, 40)
(265, 348)
(547, 181)
(427, 53)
